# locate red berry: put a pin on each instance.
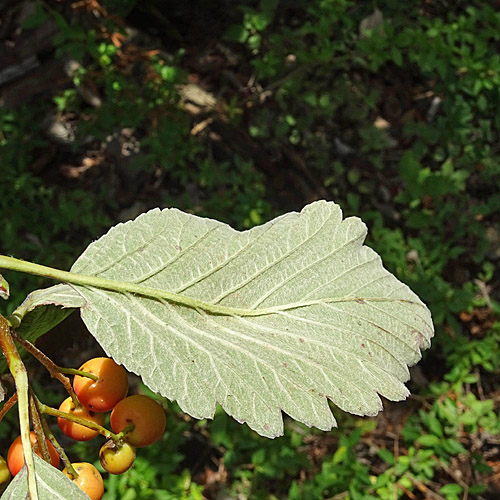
(15, 457)
(147, 416)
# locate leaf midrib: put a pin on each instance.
(159, 294)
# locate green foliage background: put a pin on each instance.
(389, 108)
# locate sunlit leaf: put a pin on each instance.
(283, 317)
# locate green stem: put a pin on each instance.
(78, 420)
(72, 371)
(130, 427)
(18, 370)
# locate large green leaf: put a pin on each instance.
(51, 484)
(283, 317)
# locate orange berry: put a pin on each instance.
(74, 430)
(147, 416)
(116, 458)
(103, 394)
(15, 457)
(89, 480)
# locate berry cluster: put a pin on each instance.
(100, 386)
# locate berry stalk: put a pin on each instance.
(48, 410)
(41, 443)
(8, 405)
(54, 370)
(50, 436)
(74, 371)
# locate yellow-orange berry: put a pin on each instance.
(89, 480)
(74, 430)
(116, 458)
(4, 471)
(15, 457)
(147, 416)
(103, 394)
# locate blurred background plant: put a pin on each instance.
(244, 110)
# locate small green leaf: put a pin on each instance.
(434, 425)
(453, 446)
(428, 440)
(451, 489)
(43, 309)
(236, 33)
(386, 455)
(340, 454)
